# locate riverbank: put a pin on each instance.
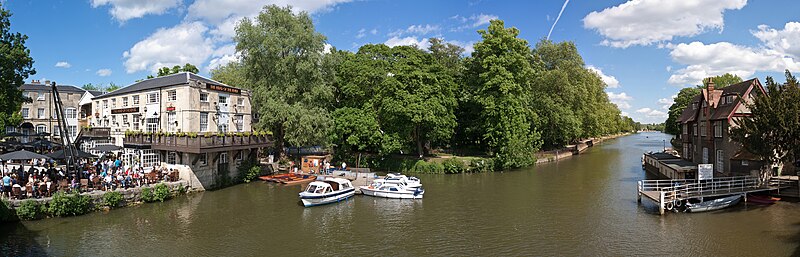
(70, 204)
(570, 150)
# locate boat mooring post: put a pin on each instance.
(639, 192)
(661, 203)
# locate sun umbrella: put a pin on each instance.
(13, 134)
(22, 155)
(44, 143)
(106, 148)
(61, 154)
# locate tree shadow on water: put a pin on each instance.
(18, 240)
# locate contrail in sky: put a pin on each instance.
(559, 17)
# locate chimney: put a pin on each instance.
(710, 85)
(35, 81)
(46, 82)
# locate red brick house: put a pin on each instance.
(706, 123)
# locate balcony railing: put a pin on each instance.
(198, 144)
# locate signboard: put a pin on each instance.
(705, 171)
(170, 108)
(124, 110)
(232, 90)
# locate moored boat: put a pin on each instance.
(298, 179)
(411, 182)
(380, 188)
(713, 205)
(328, 190)
(762, 199)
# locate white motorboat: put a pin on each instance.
(411, 182)
(392, 190)
(713, 204)
(327, 190)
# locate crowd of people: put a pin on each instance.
(41, 178)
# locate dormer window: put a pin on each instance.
(694, 106)
(730, 98)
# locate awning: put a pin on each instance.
(106, 148)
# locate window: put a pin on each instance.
(26, 94)
(172, 95)
(105, 104)
(70, 113)
(703, 131)
(40, 113)
(135, 100)
(40, 96)
(203, 159)
(239, 155)
(223, 158)
(114, 103)
(685, 128)
(73, 131)
(240, 101)
(718, 129)
(223, 100)
(238, 121)
(41, 129)
(125, 101)
(56, 130)
(152, 125)
(694, 106)
(114, 120)
(694, 129)
(203, 121)
(149, 158)
(172, 158)
(720, 162)
(204, 97)
(745, 163)
(172, 121)
(125, 119)
(223, 127)
(153, 98)
(25, 113)
(136, 119)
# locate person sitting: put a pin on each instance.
(107, 182)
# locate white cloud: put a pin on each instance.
(63, 64)
(644, 22)
(621, 100)
(610, 81)
(103, 72)
(468, 46)
(123, 10)
(373, 31)
(706, 60)
(408, 41)
(667, 102)
(178, 45)
(415, 30)
(473, 21)
(361, 33)
(223, 55)
(786, 41)
(217, 11)
(650, 113)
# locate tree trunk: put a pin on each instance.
(420, 149)
(279, 135)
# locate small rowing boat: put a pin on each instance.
(762, 199)
(713, 205)
(298, 179)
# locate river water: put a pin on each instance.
(580, 206)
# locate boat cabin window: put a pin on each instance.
(311, 188)
(393, 189)
(321, 190)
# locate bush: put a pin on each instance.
(147, 194)
(428, 167)
(248, 171)
(29, 210)
(160, 192)
(112, 199)
(72, 204)
(454, 166)
(481, 165)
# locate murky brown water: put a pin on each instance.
(582, 206)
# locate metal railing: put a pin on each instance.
(678, 189)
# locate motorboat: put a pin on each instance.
(713, 205)
(327, 190)
(411, 182)
(380, 188)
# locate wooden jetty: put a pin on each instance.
(666, 193)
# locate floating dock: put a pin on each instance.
(667, 193)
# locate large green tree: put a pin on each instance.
(686, 95)
(773, 130)
(282, 58)
(499, 73)
(16, 65)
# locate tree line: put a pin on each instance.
(505, 100)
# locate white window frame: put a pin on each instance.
(239, 155)
(240, 101)
(125, 120)
(72, 130)
(203, 159)
(222, 97)
(238, 121)
(203, 125)
(151, 124)
(153, 98)
(105, 104)
(113, 103)
(136, 121)
(172, 117)
(40, 96)
(40, 113)
(70, 113)
(125, 101)
(172, 158)
(745, 163)
(41, 128)
(223, 158)
(56, 130)
(202, 94)
(172, 95)
(150, 158)
(718, 129)
(135, 99)
(25, 113)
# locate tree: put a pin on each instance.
(112, 87)
(773, 130)
(164, 71)
(282, 55)
(499, 73)
(231, 73)
(90, 86)
(16, 65)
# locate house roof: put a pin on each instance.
(688, 113)
(738, 89)
(95, 92)
(743, 154)
(164, 81)
(45, 87)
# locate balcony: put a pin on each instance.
(182, 142)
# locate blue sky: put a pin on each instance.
(645, 50)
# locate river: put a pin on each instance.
(580, 206)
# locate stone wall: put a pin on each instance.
(130, 194)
